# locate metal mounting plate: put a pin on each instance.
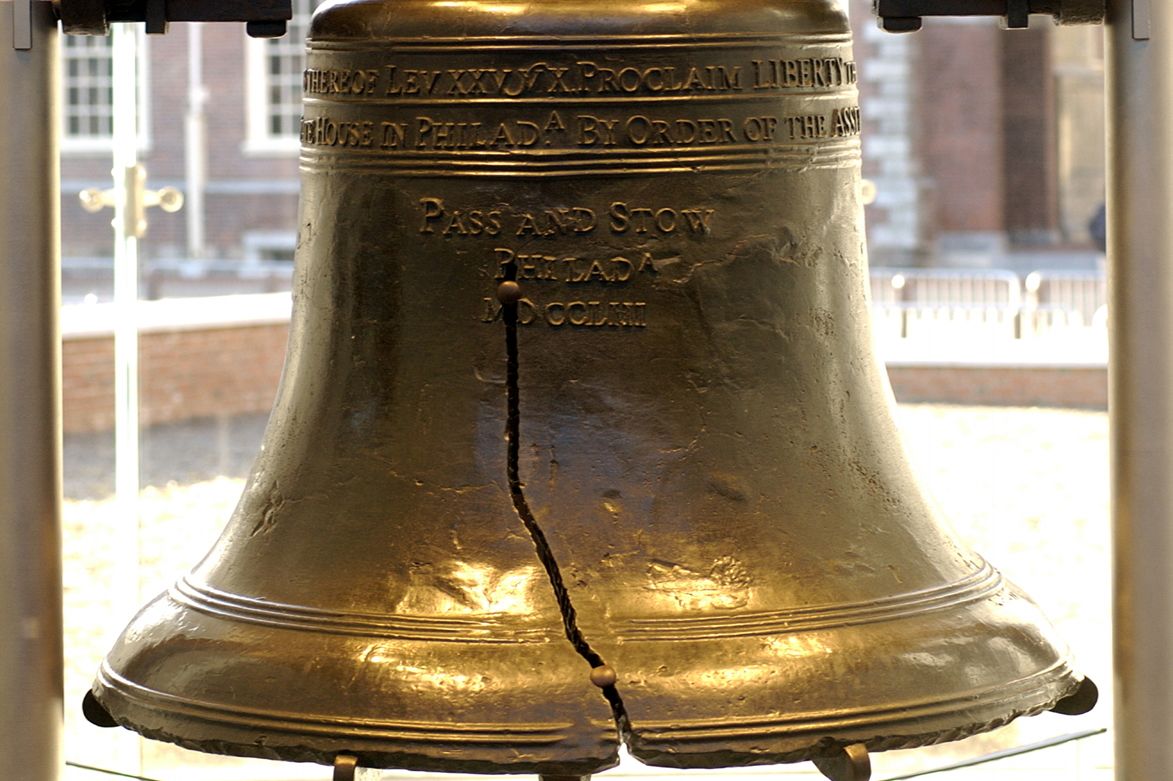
(907, 15)
(265, 18)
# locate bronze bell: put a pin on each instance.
(580, 438)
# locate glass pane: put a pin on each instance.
(980, 311)
(285, 62)
(87, 88)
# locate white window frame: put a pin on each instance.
(259, 138)
(89, 145)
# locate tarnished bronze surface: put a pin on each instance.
(580, 432)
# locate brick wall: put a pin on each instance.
(980, 142)
(1011, 386)
(1031, 195)
(891, 158)
(87, 384)
(960, 117)
(183, 375)
(197, 358)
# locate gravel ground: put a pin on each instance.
(1027, 487)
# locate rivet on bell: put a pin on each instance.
(603, 676)
(509, 292)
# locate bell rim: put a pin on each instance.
(655, 749)
(505, 747)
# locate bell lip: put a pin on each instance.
(665, 752)
(113, 693)
(139, 695)
(649, 752)
(1083, 699)
(998, 659)
(177, 675)
(128, 705)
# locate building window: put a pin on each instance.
(89, 91)
(266, 248)
(274, 85)
(87, 117)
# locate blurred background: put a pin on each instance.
(985, 151)
(985, 148)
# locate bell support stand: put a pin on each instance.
(30, 420)
(1139, 75)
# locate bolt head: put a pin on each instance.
(509, 292)
(603, 676)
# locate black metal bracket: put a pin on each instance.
(904, 16)
(263, 18)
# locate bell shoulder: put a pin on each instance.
(383, 19)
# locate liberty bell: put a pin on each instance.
(580, 439)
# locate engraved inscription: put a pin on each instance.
(582, 78)
(511, 134)
(340, 82)
(580, 131)
(809, 72)
(840, 123)
(560, 221)
(610, 106)
(573, 314)
(324, 131)
(641, 219)
(596, 79)
(574, 270)
(641, 130)
(440, 219)
(567, 289)
(420, 133)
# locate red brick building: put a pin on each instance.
(985, 146)
(243, 97)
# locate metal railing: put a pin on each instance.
(990, 304)
(907, 303)
(1066, 299)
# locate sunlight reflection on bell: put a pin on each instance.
(470, 588)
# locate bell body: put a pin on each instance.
(705, 463)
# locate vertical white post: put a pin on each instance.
(195, 147)
(127, 195)
(30, 393)
(126, 135)
(1140, 251)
